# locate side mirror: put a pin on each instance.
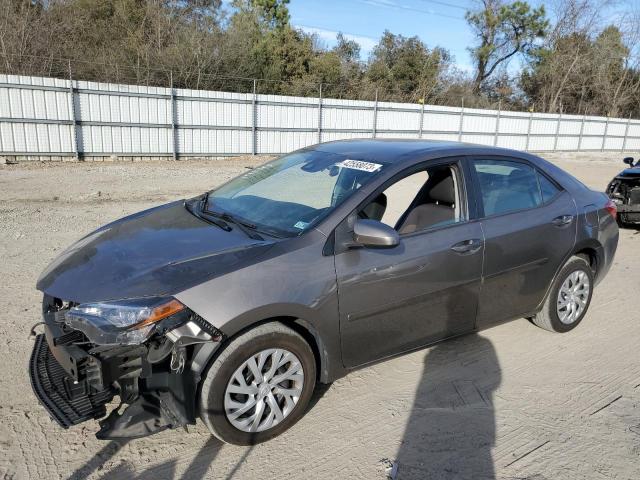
(371, 233)
(628, 161)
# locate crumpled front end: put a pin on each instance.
(625, 192)
(155, 381)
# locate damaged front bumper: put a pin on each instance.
(76, 380)
(64, 398)
(629, 213)
(625, 193)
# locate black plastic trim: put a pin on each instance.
(49, 383)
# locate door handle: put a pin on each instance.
(562, 220)
(467, 246)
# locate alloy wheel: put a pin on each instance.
(264, 390)
(573, 297)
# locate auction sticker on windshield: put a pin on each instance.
(360, 165)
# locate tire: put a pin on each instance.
(549, 317)
(259, 341)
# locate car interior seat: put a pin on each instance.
(375, 210)
(434, 205)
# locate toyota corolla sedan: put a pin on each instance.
(231, 306)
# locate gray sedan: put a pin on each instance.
(231, 306)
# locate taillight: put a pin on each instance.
(610, 207)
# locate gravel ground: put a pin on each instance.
(512, 402)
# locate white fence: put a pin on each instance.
(53, 117)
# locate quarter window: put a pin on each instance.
(507, 186)
(547, 188)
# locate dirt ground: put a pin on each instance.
(515, 402)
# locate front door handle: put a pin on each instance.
(467, 246)
(562, 220)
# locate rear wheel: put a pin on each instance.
(258, 386)
(569, 297)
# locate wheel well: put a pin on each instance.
(294, 324)
(591, 256)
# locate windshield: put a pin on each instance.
(291, 194)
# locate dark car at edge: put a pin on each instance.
(231, 306)
(624, 190)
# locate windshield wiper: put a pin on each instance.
(246, 227)
(214, 221)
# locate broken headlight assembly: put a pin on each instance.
(147, 351)
(122, 322)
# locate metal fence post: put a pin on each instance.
(461, 120)
(320, 115)
(626, 133)
(581, 132)
(604, 137)
(555, 140)
(526, 148)
(254, 114)
(421, 120)
(375, 116)
(495, 136)
(74, 118)
(174, 133)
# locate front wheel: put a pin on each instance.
(569, 297)
(259, 385)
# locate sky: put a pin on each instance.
(435, 22)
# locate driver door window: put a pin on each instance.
(422, 200)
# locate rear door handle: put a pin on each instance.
(562, 220)
(467, 246)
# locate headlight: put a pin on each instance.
(125, 322)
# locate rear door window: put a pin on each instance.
(507, 186)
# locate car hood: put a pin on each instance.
(630, 172)
(159, 251)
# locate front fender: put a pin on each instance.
(297, 284)
(323, 333)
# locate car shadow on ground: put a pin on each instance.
(449, 434)
(451, 429)
(96, 462)
(196, 470)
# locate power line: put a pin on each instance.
(378, 3)
(445, 4)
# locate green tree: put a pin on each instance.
(347, 50)
(502, 31)
(405, 69)
(274, 14)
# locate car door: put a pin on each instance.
(529, 226)
(420, 291)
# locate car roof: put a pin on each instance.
(403, 153)
(407, 151)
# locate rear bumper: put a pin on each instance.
(66, 400)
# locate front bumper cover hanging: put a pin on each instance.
(67, 402)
